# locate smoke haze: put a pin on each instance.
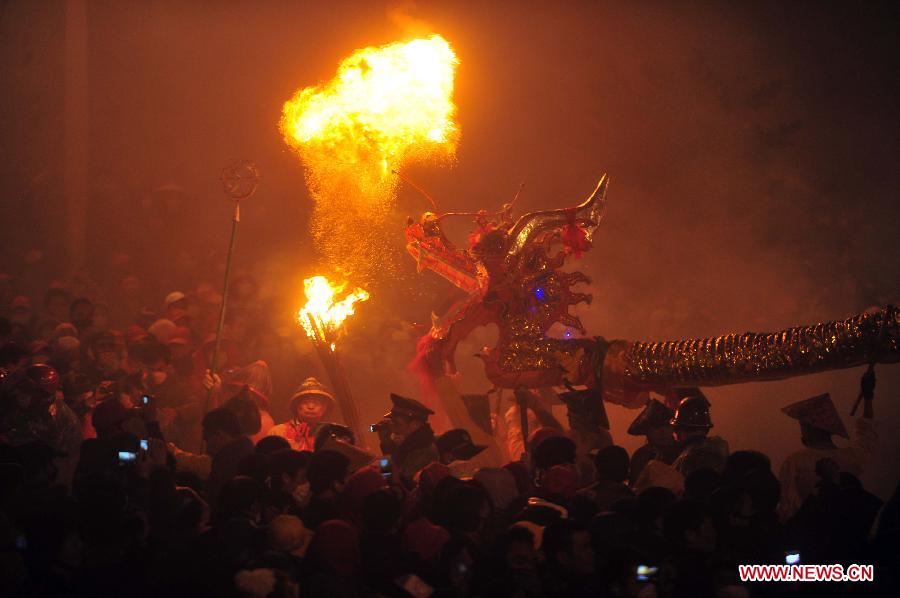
(752, 150)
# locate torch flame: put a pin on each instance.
(322, 315)
(386, 107)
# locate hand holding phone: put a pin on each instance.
(646, 573)
(387, 469)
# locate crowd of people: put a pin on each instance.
(129, 468)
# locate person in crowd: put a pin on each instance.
(244, 407)
(175, 305)
(105, 358)
(568, 559)
(550, 448)
(819, 421)
(288, 481)
(327, 474)
(329, 430)
(81, 315)
(409, 439)
(538, 415)
(588, 427)
(456, 449)
(692, 424)
(140, 515)
(258, 380)
(227, 445)
(310, 404)
(688, 527)
(177, 402)
(22, 319)
(611, 465)
(654, 423)
(335, 561)
(181, 347)
(271, 444)
(56, 305)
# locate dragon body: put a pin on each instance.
(513, 277)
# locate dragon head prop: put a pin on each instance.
(512, 273)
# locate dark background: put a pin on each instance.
(752, 149)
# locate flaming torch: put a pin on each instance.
(322, 318)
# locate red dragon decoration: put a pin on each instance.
(512, 272)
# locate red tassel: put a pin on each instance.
(428, 366)
(574, 237)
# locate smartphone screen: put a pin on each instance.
(792, 557)
(645, 572)
(145, 444)
(145, 400)
(127, 457)
(385, 466)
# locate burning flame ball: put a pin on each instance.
(387, 107)
(322, 315)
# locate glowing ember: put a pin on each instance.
(322, 315)
(387, 107)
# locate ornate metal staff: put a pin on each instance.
(239, 180)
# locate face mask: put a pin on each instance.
(301, 493)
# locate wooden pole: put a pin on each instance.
(335, 371)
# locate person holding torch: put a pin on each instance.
(310, 403)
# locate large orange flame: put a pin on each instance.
(322, 316)
(387, 107)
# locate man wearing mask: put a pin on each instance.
(81, 314)
(178, 407)
(105, 354)
(654, 423)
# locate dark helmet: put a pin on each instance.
(41, 378)
(693, 412)
(654, 414)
